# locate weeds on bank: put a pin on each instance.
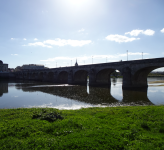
(44, 115)
(140, 127)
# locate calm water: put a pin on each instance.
(14, 94)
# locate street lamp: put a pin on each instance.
(127, 55)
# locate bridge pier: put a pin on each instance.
(55, 76)
(70, 77)
(134, 81)
(44, 77)
(92, 78)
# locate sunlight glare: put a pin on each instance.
(80, 9)
(78, 3)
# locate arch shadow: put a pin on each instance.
(42, 76)
(63, 77)
(50, 77)
(103, 77)
(80, 77)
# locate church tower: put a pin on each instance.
(76, 64)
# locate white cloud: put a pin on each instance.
(35, 39)
(134, 32)
(120, 38)
(66, 58)
(14, 54)
(82, 58)
(60, 42)
(81, 30)
(24, 39)
(63, 42)
(162, 30)
(137, 32)
(12, 38)
(38, 44)
(148, 32)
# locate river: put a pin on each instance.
(27, 94)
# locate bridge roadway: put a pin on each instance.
(134, 73)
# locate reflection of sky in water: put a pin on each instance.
(17, 98)
(156, 94)
(116, 88)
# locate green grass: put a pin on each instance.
(134, 127)
(155, 75)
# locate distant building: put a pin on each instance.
(11, 69)
(18, 68)
(33, 66)
(30, 67)
(76, 64)
(3, 67)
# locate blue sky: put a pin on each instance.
(58, 31)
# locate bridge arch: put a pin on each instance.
(103, 76)
(63, 77)
(139, 79)
(33, 76)
(41, 76)
(24, 75)
(36, 76)
(21, 75)
(80, 77)
(50, 76)
(27, 75)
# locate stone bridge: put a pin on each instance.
(134, 73)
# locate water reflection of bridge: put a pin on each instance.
(95, 95)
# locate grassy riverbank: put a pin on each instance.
(137, 127)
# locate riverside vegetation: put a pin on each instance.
(118, 128)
